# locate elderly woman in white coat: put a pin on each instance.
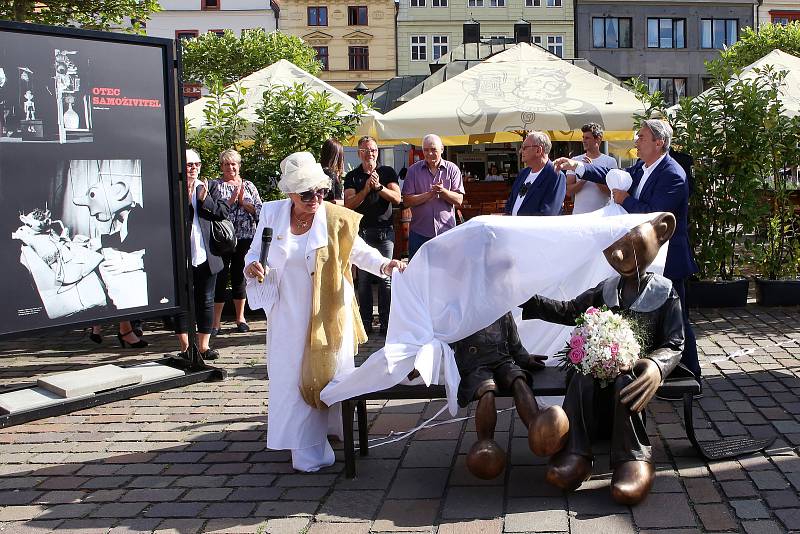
(306, 291)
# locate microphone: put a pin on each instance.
(266, 239)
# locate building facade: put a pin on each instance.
(428, 29)
(778, 11)
(189, 18)
(184, 19)
(664, 44)
(354, 39)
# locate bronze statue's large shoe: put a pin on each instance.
(486, 459)
(547, 434)
(631, 481)
(568, 471)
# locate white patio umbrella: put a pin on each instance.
(789, 93)
(280, 73)
(523, 88)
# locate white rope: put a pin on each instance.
(397, 436)
(749, 351)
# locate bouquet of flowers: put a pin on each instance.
(602, 345)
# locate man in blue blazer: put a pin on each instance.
(539, 189)
(659, 184)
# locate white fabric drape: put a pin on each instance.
(466, 278)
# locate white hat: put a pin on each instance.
(300, 172)
(192, 156)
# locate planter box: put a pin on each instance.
(723, 294)
(777, 292)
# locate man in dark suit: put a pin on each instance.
(659, 184)
(539, 188)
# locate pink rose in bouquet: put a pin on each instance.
(603, 345)
(576, 342)
(576, 355)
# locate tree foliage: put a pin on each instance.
(723, 130)
(290, 119)
(753, 45)
(778, 249)
(293, 119)
(89, 14)
(223, 128)
(229, 58)
(654, 105)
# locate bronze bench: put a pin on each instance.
(549, 381)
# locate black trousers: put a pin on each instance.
(689, 357)
(204, 283)
(593, 411)
(233, 267)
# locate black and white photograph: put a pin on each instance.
(44, 96)
(86, 186)
(93, 252)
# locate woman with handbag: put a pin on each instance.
(306, 292)
(206, 207)
(244, 205)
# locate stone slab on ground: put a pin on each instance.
(154, 371)
(29, 399)
(90, 381)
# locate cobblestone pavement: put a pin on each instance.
(194, 459)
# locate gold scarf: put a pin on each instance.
(328, 308)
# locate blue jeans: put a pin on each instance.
(381, 239)
(415, 241)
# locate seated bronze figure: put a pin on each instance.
(651, 303)
(493, 360)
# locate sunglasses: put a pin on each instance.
(192, 163)
(308, 196)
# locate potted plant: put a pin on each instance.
(722, 129)
(779, 238)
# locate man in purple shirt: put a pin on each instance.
(432, 189)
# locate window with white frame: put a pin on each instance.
(475, 3)
(497, 3)
(553, 3)
(439, 3)
(417, 3)
(537, 40)
(419, 48)
(440, 45)
(533, 3)
(555, 44)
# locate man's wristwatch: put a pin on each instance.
(380, 188)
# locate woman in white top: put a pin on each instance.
(313, 321)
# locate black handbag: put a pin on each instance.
(223, 238)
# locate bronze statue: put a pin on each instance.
(650, 302)
(493, 360)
